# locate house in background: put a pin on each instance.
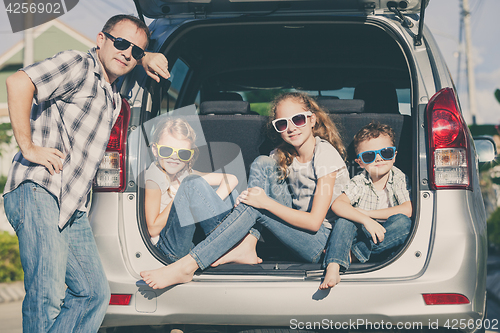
(49, 39)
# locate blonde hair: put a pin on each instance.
(324, 128)
(180, 129)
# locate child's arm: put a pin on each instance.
(257, 198)
(405, 208)
(155, 219)
(226, 182)
(342, 207)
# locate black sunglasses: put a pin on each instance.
(369, 156)
(123, 44)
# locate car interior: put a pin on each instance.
(232, 71)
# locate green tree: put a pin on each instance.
(5, 133)
(5, 139)
(494, 228)
(10, 265)
(493, 222)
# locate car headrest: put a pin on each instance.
(342, 105)
(225, 96)
(379, 97)
(225, 107)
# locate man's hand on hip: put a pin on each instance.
(51, 158)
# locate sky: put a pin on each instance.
(441, 17)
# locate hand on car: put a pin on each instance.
(155, 65)
(51, 158)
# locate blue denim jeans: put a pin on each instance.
(349, 236)
(53, 259)
(264, 174)
(195, 202)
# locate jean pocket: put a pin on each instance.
(13, 203)
(41, 192)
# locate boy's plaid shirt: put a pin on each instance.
(74, 111)
(362, 194)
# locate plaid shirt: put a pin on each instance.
(362, 194)
(73, 112)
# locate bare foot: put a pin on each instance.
(243, 253)
(332, 276)
(181, 271)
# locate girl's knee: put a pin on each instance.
(192, 177)
(192, 181)
(342, 223)
(263, 161)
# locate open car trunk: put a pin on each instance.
(175, 8)
(354, 66)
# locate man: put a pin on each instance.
(62, 139)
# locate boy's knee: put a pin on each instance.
(401, 222)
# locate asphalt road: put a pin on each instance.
(493, 314)
(10, 317)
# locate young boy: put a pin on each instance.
(374, 210)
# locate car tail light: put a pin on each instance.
(110, 176)
(120, 299)
(442, 299)
(449, 144)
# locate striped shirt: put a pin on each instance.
(362, 194)
(74, 111)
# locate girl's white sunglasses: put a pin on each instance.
(299, 120)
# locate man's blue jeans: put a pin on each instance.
(349, 236)
(53, 259)
(263, 173)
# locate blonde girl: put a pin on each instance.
(290, 193)
(176, 196)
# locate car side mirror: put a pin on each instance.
(486, 148)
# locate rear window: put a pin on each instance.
(255, 62)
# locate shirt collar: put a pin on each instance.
(368, 179)
(98, 67)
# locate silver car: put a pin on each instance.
(364, 61)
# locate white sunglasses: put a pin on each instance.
(299, 120)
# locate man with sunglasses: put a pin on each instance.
(374, 209)
(62, 138)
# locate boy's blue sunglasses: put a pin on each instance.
(369, 156)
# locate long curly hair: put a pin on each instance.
(324, 128)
